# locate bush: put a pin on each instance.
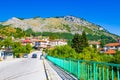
(116, 58)
(91, 54)
(62, 52)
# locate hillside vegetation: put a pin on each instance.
(60, 26)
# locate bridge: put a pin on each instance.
(88, 70)
(53, 68)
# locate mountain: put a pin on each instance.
(68, 24)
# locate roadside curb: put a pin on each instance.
(52, 75)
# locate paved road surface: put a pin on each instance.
(31, 69)
(22, 69)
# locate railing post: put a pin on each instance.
(107, 73)
(78, 70)
(94, 70)
(103, 73)
(96, 73)
(118, 73)
(100, 73)
(88, 70)
(112, 73)
(63, 64)
(70, 66)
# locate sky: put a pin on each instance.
(102, 12)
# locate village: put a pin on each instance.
(41, 44)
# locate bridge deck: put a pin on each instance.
(59, 74)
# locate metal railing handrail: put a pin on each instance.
(88, 70)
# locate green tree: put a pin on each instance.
(107, 58)
(29, 32)
(8, 31)
(53, 36)
(23, 49)
(76, 41)
(84, 40)
(102, 43)
(91, 54)
(19, 50)
(28, 48)
(117, 58)
(16, 47)
(63, 52)
(19, 33)
(7, 43)
(1, 44)
(79, 42)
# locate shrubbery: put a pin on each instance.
(16, 47)
(88, 53)
(63, 52)
(80, 50)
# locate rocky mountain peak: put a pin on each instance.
(13, 20)
(69, 24)
(76, 20)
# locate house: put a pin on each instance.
(110, 51)
(41, 44)
(57, 43)
(94, 44)
(46, 43)
(101, 50)
(27, 41)
(113, 46)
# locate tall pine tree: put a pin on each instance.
(75, 42)
(84, 40)
(79, 42)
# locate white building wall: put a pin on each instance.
(97, 46)
(118, 48)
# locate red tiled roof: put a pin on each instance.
(110, 51)
(113, 44)
(26, 41)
